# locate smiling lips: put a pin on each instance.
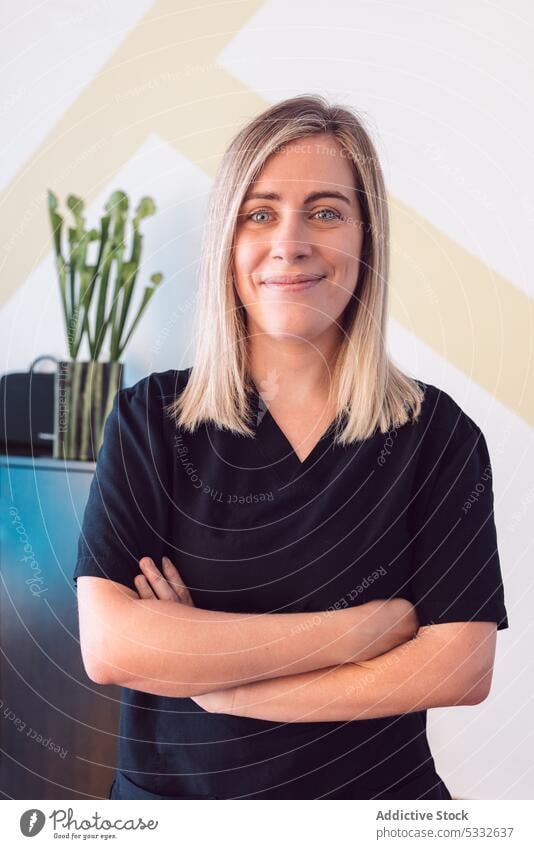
(292, 281)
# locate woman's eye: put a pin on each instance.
(326, 215)
(250, 217)
(331, 212)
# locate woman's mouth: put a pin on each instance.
(294, 282)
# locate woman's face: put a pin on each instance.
(300, 217)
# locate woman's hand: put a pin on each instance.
(169, 586)
(220, 701)
(391, 622)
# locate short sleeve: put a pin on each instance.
(456, 573)
(125, 513)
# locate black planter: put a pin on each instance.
(83, 397)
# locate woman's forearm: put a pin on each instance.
(174, 650)
(422, 673)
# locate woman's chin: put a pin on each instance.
(290, 331)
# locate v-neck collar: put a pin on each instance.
(276, 447)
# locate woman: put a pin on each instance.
(331, 568)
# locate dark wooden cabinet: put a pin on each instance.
(58, 730)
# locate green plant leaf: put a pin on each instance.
(145, 207)
(77, 206)
(81, 283)
(118, 203)
(147, 295)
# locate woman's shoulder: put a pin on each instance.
(140, 411)
(442, 413)
(449, 452)
(162, 386)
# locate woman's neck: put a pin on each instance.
(293, 373)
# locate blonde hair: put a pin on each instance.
(366, 385)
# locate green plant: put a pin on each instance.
(85, 288)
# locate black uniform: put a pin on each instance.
(251, 528)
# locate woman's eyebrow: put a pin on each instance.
(330, 193)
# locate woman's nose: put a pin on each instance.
(290, 241)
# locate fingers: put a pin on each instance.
(156, 582)
(143, 587)
(168, 586)
(175, 580)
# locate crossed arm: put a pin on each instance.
(440, 665)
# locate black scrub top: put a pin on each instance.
(251, 528)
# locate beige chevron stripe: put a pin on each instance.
(163, 79)
(468, 314)
(462, 309)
